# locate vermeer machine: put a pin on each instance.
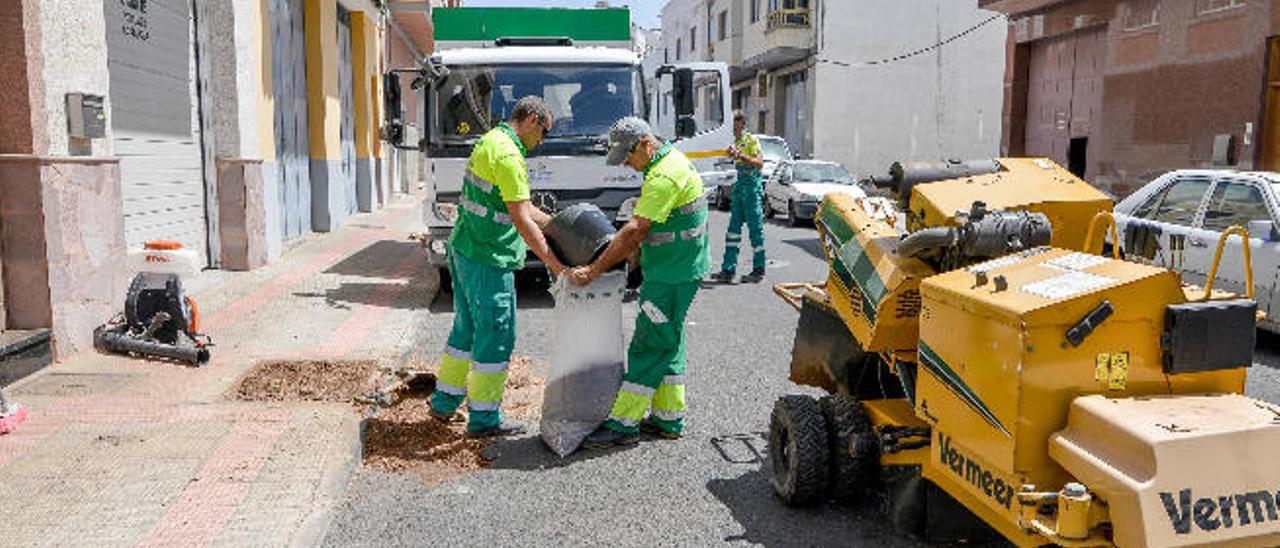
(987, 363)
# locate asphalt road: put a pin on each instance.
(707, 489)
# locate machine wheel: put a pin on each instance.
(855, 451)
(798, 450)
(793, 219)
(768, 209)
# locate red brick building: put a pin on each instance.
(1122, 91)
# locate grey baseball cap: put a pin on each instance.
(623, 137)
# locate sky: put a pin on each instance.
(643, 12)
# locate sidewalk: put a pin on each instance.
(125, 452)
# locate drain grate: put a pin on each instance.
(308, 380)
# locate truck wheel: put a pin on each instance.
(855, 451)
(446, 281)
(722, 199)
(798, 450)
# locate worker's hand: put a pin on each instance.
(581, 276)
(733, 152)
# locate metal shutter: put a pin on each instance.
(155, 122)
(346, 94)
(289, 82)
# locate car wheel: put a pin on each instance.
(768, 209)
(798, 450)
(446, 280)
(793, 218)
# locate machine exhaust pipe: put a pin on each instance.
(924, 240)
(903, 176)
(117, 340)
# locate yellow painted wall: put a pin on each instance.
(266, 90)
(324, 106)
(364, 68)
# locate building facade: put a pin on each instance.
(1123, 91)
(863, 82)
(230, 126)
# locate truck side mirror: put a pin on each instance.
(393, 110)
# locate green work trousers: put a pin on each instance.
(746, 207)
(655, 360)
(475, 361)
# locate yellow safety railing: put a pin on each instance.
(1217, 258)
(1115, 236)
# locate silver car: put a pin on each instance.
(774, 150)
(1176, 220)
(798, 186)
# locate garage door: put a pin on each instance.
(155, 122)
(289, 81)
(1064, 98)
(346, 95)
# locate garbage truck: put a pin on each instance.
(582, 63)
(991, 373)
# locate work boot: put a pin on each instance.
(607, 437)
(507, 427)
(650, 426)
(754, 277)
(722, 277)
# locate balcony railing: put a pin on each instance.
(788, 18)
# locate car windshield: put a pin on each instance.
(585, 100)
(773, 149)
(821, 173)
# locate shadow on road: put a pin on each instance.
(530, 454)
(808, 245)
(767, 522)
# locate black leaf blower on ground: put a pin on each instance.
(158, 321)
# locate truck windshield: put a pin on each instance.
(584, 99)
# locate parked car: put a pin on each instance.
(797, 186)
(774, 150)
(1176, 221)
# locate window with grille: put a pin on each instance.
(693, 40)
(1141, 14)
(755, 10)
(724, 25)
(1204, 7)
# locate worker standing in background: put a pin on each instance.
(495, 223)
(748, 193)
(669, 227)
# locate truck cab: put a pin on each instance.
(466, 91)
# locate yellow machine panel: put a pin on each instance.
(875, 290)
(1024, 184)
(1001, 358)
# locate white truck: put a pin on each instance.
(582, 64)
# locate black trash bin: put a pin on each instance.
(579, 233)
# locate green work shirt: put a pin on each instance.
(749, 145)
(675, 250)
(496, 174)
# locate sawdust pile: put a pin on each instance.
(404, 439)
(308, 380)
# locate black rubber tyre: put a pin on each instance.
(446, 281)
(855, 451)
(722, 199)
(793, 219)
(798, 450)
(769, 213)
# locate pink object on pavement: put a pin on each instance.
(10, 422)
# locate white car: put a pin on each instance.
(1176, 221)
(798, 186)
(774, 150)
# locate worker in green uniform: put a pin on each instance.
(746, 205)
(669, 226)
(495, 223)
